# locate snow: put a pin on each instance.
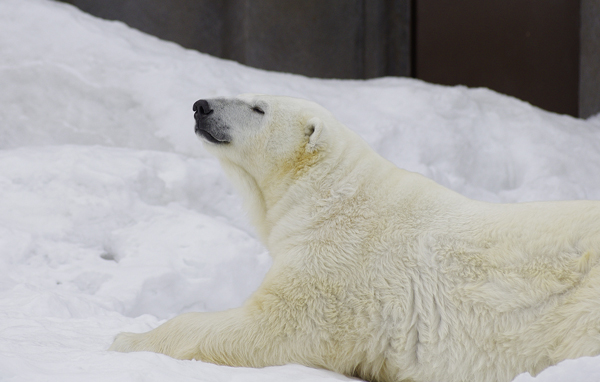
(113, 217)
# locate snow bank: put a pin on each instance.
(113, 218)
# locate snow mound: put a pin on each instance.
(113, 218)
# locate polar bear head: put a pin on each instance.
(267, 143)
(267, 136)
(239, 126)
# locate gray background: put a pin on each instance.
(589, 77)
(546, 52)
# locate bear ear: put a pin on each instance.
(313, 131)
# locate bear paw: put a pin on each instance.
(126, 342)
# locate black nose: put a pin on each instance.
(202, 108)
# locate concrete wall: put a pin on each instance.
(589, 72)
(194, 24)
(525, 48)
(530, 49)
(317, 38)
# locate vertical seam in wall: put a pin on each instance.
(412, 39)
(361, 44)
(387, 30)
(246, 29)
(578, 92)
(580, 110)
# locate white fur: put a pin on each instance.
(382, 273)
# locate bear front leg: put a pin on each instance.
(234, 337)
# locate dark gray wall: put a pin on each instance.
(589, 79)
(194, 24)
(317, 38)
(525, 48)
(332, 39)
(307, 37)
(544, 52)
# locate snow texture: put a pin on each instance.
(113, 218)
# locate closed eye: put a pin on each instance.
(258, 110)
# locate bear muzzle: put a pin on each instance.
(206, 127)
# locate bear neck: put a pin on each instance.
(271, 196)
(300, 187)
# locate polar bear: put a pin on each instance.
(381, 273)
